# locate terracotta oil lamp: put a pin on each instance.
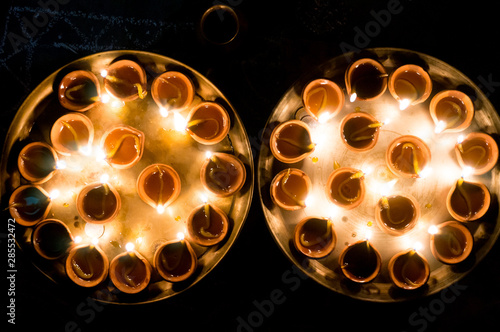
(315, 237)
(410, 85)
(359, 131)
(98, 203)
(29, 204)
(172, 90)
(79, 90)
(451, 111)
(360, 262)
(123, 146)
(159, 185)
(397, 214)
(52, 239)
(289, 189)
(207, 225)
(223, 174)
(409, 270)
(291, 141)
(479, 151)
(37, 162)
(451, 243)
(126, 80)
(468, 200)
(87, 265)
(322, 99)
(407, 156)
(72, 133)
(208, 123)
(175, 261)
(365, 79)
(130, 272)
(346, 188)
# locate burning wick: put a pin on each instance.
(403, 104)
(433, 230)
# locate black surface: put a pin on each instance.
(280, 43)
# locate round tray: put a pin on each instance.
(33, 122)
(353, 225)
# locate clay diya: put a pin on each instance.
(126, 80)
(365, 79)
(409, 270)
(359, 131)
(451, 111)
(346, 188)
(451, 243)
(397, 214)
(360, 262)
(291, 141)
(51, 239)
(315, 237)
(130, 272)
(98, 203)
(223, 174)
(468, 200)
(407, 156)
(123, 146)
(410, 85)
(159, 185)
(207, 225)
(322, 99)
(208, 123)
(175, 261)
(220, 24)
(87, 265)
(72, 133)
(29, 204)
(79, 90)
(172, 90)
(37, 162)
(289, 189)
(479, 151)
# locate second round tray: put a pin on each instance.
(431, 192)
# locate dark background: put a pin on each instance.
(282, 41)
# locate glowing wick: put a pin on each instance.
(425, 172)
(104, 178)
(78, 239)
(160, 209)
(460, 139)
(94, 241)
(208, 154)
(179, 122)
(368, 234)
(441, 125)
(105, 98)
(432, 230)
(85, 150)
(180, 236)
(104, 73)
(324, 117)
(467, 172)
(418, 246)
(163, 112)
(353, 97)
(61, 164)
(129, 246)
(54, 194)
(309, 200)
(203, 198)
(403, 104)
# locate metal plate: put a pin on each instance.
(164, 145)
(430, 192)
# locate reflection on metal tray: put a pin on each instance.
(163, 145)
(431, 192)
